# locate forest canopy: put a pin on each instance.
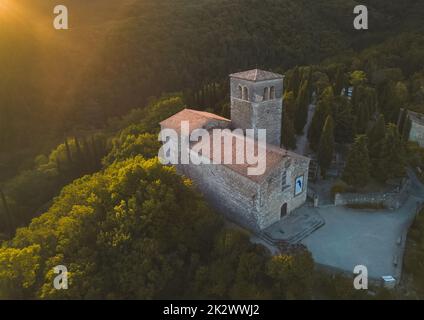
(79, 181)
(118, 54)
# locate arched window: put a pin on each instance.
(240, 92)
(266, 94)
(245, 94)
(272, 93)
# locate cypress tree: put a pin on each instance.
(401, 120)
(404, 125)
(376, 136)
(8, 216)
(371, 99)
(388, 101)
(59, 166)
(294, 82)
(406, 130)
(344, 121)
(289, 104)
(79, 154)
(302, 104)
(310, 87)
(326, 146)
(89, 161)
(327, 94)
(339, 82)
(362, 118)
(356, 95)
(94, 150)
(288, 134)
(391, 162)
(68, 152)
(323, 110)
(358, 165)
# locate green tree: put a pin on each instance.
(391, 162)
(321, 82)
(344, 121)
(323, 110)
(339, 81)
(132, 142)
(18, 271)
(401, 93)
(121, 234)
(404, 124)
(362, 118)
(389, 102)
(294, 82)
(288, 133)
(291, 275)
(289, 104)
(376, 136)
(406, 129)
(302, 104)
(358, 78)
(358, 165)
(326, 146)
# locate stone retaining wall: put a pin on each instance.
(392, 200)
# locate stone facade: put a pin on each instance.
(253, 205)
(257, 103)
(417, 133)
(276, 193)
(255, 202)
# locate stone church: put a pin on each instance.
(253, 201)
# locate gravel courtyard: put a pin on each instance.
(351, 237)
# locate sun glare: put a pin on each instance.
(7, 7)
(4, 4)
(11, 11)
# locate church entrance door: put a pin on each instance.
(283, 210)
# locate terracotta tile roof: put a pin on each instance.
(197, 120)
(256, 75)
(273, 156)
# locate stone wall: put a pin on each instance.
(241, 114)
(417, 133)
(257, 113)
(268, 115)
(230, 193)
(392, 200)
(252, 205)
(273, 197)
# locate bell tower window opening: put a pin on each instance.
(245, 94)
(272, 93)
(266, 94)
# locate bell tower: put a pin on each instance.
(257, 102)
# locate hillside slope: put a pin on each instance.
(119, 53)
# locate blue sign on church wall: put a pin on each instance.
(298, 188)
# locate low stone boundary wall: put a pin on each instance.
(392, 200)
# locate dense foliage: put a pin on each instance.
(120, 53)
(358, 165)
(139, 230)
(128, 227)
(30, 192)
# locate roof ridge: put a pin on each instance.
(257, 75)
